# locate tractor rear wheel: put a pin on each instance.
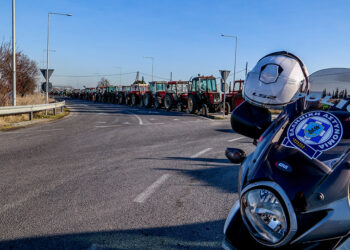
(204, 110)
(147, 100)
(191, 104)
(133, 100)
(168, 102)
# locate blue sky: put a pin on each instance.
(182, 35)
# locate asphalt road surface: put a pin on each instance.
(117, 177)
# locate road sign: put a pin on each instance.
(43, 71)
(43, 86)
(224, 74)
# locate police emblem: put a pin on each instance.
(313, 133)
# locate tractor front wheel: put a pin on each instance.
(191, 104)
(147, 100)
(133, 100)
(168, 102)
(204, 110)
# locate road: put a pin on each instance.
(117, 177)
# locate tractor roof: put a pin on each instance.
(178, 82)
(206, 77)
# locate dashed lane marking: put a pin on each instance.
(201, 152)
(151, 189)
(235, 139)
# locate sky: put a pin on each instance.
(183, 36)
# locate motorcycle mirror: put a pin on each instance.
(235, 155)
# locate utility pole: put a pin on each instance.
(171, 76)
(246, 70)
(150, 57)
(13, 55)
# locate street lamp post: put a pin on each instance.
(47, 51)
(150, 57)
(234, 70)
(13, 55)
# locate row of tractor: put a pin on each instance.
(200, 94)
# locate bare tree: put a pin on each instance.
(103, 83)
(26, 73)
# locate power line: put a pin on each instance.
(97, 75)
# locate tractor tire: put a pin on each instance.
(191, 104)
(120, 99)
(147, 100)
(204, 110)
(128, 101)
(168, 102)
(179, 107)
(156, 103)
(141, 104)
(227, 108)
(237, 100)
(133, 100)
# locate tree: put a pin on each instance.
(103, 83)
(26, 72)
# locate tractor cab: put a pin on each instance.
(234, 96)
(123, 92)
(203, 95)
(137, 90)
(155, 94)
(176, 95)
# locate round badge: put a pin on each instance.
(314, 132)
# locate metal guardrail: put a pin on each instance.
(14, 110)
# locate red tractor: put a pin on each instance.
(123, 92)
(176, 95)
(137, 90)
(203, 95)
(155, 94)
(234, 96)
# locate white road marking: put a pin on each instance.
(201, 152)
(176, 119)
(152, 119)
(155, 123)
(126, 123)
(235, 139)
(151, 189)
(107, 126)
(101, 122)
(138, 117)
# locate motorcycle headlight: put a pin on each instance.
(264, 215)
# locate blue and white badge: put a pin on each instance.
(313, 133)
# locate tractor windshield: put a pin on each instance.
(211, 85)
(203, 85)
(160, 87)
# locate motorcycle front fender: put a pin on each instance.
(232, 216)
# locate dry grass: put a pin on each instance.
(27, 100)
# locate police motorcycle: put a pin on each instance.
(294, 188)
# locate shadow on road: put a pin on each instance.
(225, 131)
(206, 235)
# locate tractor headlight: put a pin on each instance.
(264, 215)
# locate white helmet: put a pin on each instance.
(275, 80)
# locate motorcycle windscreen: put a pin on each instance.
(333, 85)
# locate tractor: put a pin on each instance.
(203, 95)
(234, 96)
(155, 94)
(123, 92)
(176, 95)
(137, 90)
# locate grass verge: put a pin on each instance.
(21, 121)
